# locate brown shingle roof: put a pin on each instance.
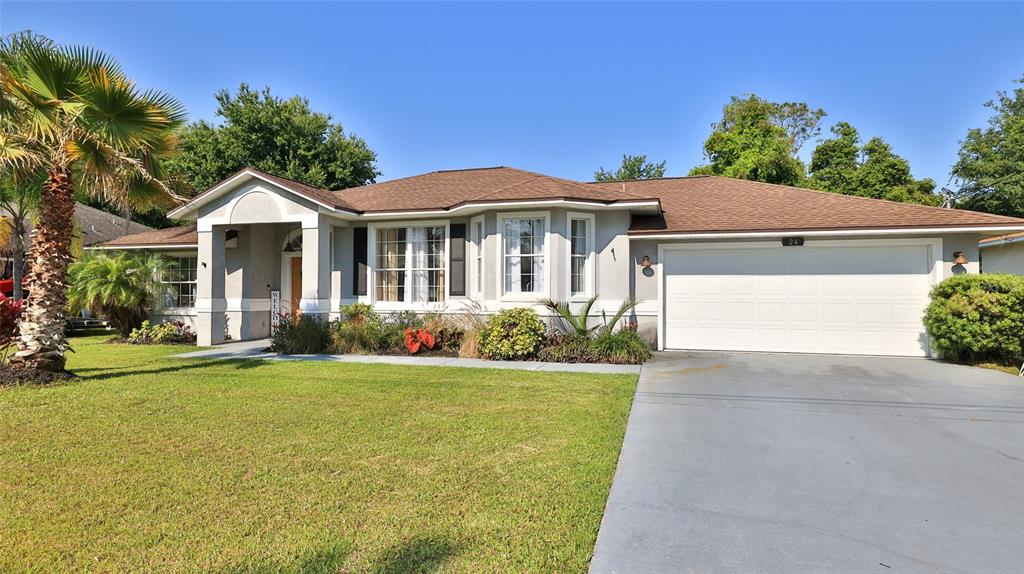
(185, 236)
(448, 189)
(709, 204)
(1002, 238)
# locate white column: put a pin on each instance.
(210, 303)
(316, 267)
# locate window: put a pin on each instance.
(179, 281)
(581, 245)
(410, 264)
(524, 254)
(477, 237)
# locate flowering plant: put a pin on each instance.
(416, 339)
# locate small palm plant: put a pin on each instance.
(122, 289)
(578, 324)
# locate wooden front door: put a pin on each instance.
(296, 285)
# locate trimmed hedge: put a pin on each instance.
(978, 318)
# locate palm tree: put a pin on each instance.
(72, 112)
(122, 289)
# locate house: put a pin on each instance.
(1003, 254)
(92, 226)
(717, 263)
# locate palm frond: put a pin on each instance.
(626, 307)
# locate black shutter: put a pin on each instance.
(359, 280)
(457, 287)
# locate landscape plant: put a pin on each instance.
(122, 289)
(10, 313)
(168, 332)
(305, 334)
(512, 334)
(978, 318)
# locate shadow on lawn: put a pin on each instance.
(101, 373)
(420, 555)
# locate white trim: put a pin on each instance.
(212, 193)
(1010, 241)
(371, 265)
(934, 255)
(500, 234)
(829, 233)
(286, 270)
(478, 261)
(245, 305)
(590, 266)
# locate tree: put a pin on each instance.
(633, 167)
(842, 165)
(990, 167)
(72, 112)
(759, 140)
(122, 289)
(19, 199)
(284, 137)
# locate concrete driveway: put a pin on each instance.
(743, 462)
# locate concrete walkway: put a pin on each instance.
(790, 464)
(258, 350)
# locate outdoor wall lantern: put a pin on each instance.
(645, 265)
(959, 259)
(646, 262)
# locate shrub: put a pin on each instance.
(512, 334)
(978, 318)
(10, 314)
(572, 348)
(302, 335)
(169, 332)
(623, 347)
(448, 331)
(122, 289)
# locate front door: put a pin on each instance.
(296, 293)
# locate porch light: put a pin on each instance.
(645, 262)
(959, 259)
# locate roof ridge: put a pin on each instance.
(862, 198)
(614, 181)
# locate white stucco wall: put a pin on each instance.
(1006, 258)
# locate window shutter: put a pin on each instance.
(360, 279)
(457, 274)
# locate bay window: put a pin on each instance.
(410, 264)
(523, 253)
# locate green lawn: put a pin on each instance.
(155, 464)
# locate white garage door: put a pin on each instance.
(824, 297)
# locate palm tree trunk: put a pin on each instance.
(42, 343)
(18, 258)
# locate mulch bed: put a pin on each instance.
(10, 377)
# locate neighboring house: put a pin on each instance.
(93, 225)
(717, 263)
(1003, 254)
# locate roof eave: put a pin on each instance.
(770, 233)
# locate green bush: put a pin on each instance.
(166, 333)
(623, 347)
(511, 334)
(978, 318)
(567, 348)
(362, 330)
(302, 335)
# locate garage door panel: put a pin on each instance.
(835, 299)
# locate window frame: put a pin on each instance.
(545, 293)
(406, 303)
(195, 297)
(590, 262)
(478, 275)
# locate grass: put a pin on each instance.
(1012, 369)
(155, 464)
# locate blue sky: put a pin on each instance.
(566, 88)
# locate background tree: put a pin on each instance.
(990, 168)
(759, 140)
(632, 167)
(842, 165)
(284, 137)
(71, 111)
(19, 201)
